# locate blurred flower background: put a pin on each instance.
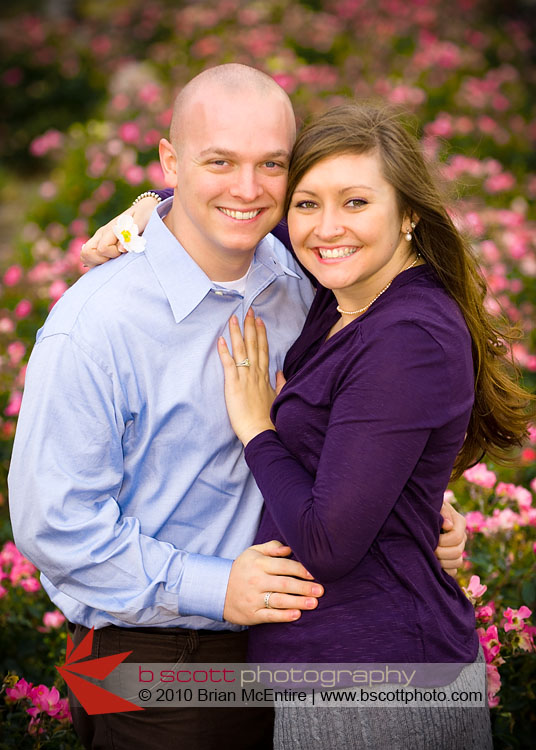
(87, 89)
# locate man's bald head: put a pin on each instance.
(235, 79)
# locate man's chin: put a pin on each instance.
(258, 227)
(242, 240)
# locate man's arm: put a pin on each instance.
(452, 540)
(65, 478)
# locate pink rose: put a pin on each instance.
(515, 618)
(14, 404)
(10, 554)
(500, 182)
(20, 689)
(53, 619)
(6, 325)
(523, 639)
(490, 643)
(134, 174)
(30, 585)
(480, 475)
(493, 679)
(129, 132)
(23, 308)
(485, 613)
(13, 275)
(47, 699)
(475, 589)
(155, 174)
(56, 289)
(16, 351)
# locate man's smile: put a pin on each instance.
(240, 215)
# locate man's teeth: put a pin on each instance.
(241, 215)
(337, 252)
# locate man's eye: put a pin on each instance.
(219, 162)
(274, 166)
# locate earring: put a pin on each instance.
(408, 234)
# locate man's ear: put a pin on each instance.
(168, 162)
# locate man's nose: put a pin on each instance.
(247, 185)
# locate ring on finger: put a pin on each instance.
(245, 363)
(267, 599)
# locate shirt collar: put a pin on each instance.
(269, 253)
(184, 283)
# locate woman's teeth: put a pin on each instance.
(336, 252)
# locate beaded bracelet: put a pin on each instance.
(147, 194)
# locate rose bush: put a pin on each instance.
(464, 72)
(499, 579)
(33, 713)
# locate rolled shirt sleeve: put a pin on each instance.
(65, 477)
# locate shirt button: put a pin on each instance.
(220, 294)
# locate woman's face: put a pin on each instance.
(346, 227)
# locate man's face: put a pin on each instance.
(231, 177)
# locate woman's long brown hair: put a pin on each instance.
(500, 416)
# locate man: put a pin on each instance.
(127, 487)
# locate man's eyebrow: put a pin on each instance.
(277, 155)
(227, 154)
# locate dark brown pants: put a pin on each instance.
(180, 728)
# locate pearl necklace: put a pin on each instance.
(385, 288)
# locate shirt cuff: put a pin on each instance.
(204, 586)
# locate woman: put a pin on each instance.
(397, 379)
(381, 402)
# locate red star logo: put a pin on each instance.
(94, 699)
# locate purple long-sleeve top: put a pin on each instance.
(368, 427)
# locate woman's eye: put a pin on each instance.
(356, 203)
(306, 204)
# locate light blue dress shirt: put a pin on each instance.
(128, 488)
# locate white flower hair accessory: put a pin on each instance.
(126, 232)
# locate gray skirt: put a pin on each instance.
(307, 727)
